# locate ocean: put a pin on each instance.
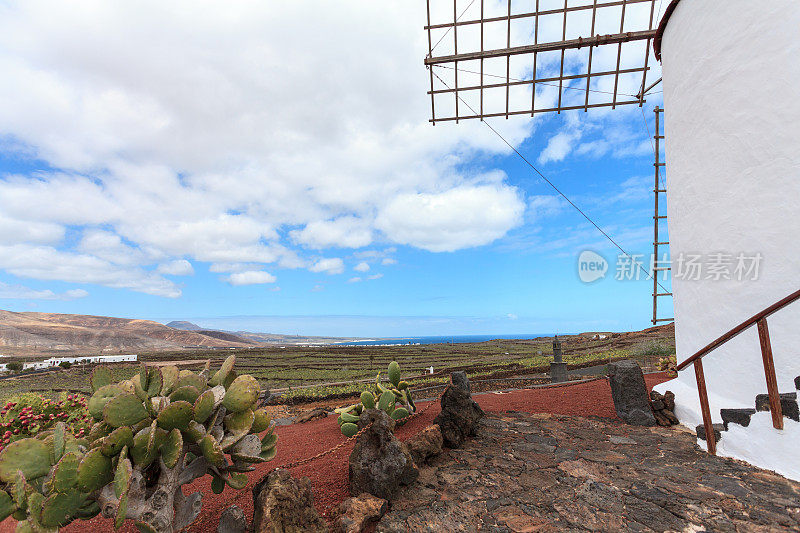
(440, 339)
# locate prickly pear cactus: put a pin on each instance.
(383, 397)
(152, 434)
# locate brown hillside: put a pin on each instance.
(47, 333)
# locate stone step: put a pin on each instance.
(737, 416)
(788, 404)
(701, 431)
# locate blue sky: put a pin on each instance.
(242, 199)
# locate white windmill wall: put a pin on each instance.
(731, 75)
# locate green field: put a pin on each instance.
(294, 369)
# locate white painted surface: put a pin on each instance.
(732, 97)
(55, 361)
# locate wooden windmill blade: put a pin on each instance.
(498, 58)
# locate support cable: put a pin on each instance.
(578, 209)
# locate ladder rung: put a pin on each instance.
(660, 216)
(665, 319)
(660, 243)
(659, 164)
(662, 268)
(663, 294)
(659, 190)
(658, 137)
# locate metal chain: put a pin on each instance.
(360, 432)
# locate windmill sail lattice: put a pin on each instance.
(489, 58)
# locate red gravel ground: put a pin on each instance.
(329, 474)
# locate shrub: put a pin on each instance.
(15, 366)
(152, 434)
(27, 415)
(65, 364)
(653, 349)
(668, 364)
(385, 398)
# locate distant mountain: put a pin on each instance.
(185, 325)
(48, 333)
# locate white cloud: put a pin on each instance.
(543, 206)
(355, 279)
(172, 146)
(251, 277)
(363, 266)
(511, 316)
(13, 231)
(178, 267)
(387, 261)
(331, 265)
(471, 215)
(231, 267)
(19, 292)
(375, 276)
(344, 232)
(48, 263)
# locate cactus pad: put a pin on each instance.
(217, 484)
(122, 476)
(187, 378)
(169, 376)
(394, 373)
(29, 456)
(65, 475)
(220, 376)
(122, 511)
(236, 480)
(101, 376)
(261, 421)
(240, 422)
(124, 410)
(349, 429)
(211, 450)
(154, 381)
(94, 471)
(269, 454)
(195, 431)
(145, 448)
(144, 527)
(101, 397)
(6, 505)
(176, 415)
(249, 446)
(386, 401)
(347, 417)
(367, 400)
(242, 394)
(172, 448)
(59, 508)
(58, 442)
(187, 393)
(400, 413)
(204, 406)
(90, 509)
(116, 440)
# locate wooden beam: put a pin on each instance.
(597, 40)
(535, 13)
(769, 372)
(711, 440)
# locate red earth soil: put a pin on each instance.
(329, 474)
